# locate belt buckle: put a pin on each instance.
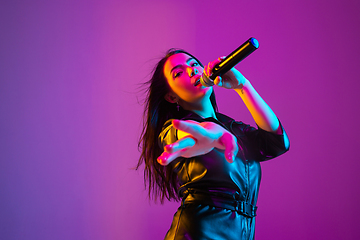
(245, 208)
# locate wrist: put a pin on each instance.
(244, 84)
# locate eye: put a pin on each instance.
(194, 64)
(177, 74)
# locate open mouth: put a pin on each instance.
(197, 82)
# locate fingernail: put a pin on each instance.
(168, 147)
(231, 157)
(161, 160)
(175, 122)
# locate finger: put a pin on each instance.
(212, 64)
(207, 70)
(218, 81)
(192, 128)
(231, 149)
(181, 144)
(218, 60)
(165, 158)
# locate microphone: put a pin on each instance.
(230, 61)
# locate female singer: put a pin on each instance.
(201, 157)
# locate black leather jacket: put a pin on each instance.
(211, 172)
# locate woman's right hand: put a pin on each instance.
(232, 79)
(197, 139)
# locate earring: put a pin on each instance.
(178, 106)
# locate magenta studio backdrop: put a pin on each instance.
(70, 112)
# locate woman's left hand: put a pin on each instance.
(233, 79)
(197, 139)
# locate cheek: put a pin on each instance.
(184, 92)
(181, 86)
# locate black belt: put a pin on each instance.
(221, 200)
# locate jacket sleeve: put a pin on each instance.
(168, 134)
(261, 145)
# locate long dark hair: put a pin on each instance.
(162, 182)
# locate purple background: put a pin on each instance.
(70, 113)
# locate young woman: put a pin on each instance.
(205, 159)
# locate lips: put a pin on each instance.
(197, 82)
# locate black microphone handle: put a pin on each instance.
(230, 61)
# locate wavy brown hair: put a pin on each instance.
(160, 180)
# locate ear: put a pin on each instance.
(171, 97)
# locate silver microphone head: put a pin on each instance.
(206, 81)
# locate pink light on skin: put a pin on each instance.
(182, 72)
(263, 115)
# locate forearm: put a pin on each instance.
(264, 117)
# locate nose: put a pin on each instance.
(193, 72)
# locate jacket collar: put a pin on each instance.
(189, 115)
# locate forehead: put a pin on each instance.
(175, 60)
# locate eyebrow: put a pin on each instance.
(178, 66)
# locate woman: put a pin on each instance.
(205, 159)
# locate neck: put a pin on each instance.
(204, 109)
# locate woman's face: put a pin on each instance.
(182, 72)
